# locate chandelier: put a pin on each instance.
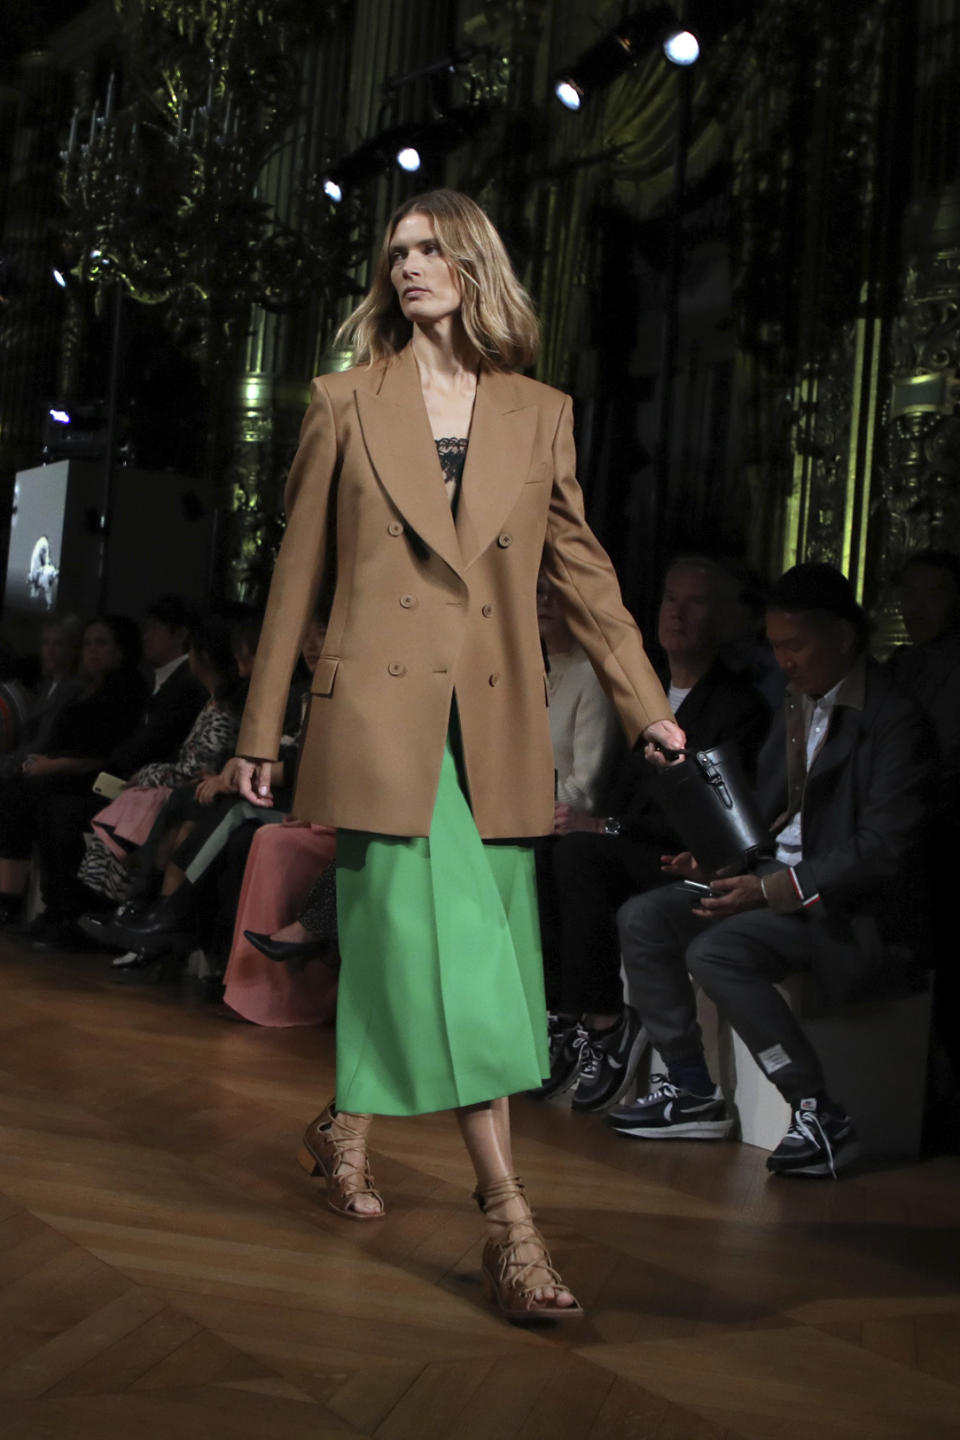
(170, 185)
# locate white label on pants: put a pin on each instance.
(774, 1059)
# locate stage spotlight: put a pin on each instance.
(411, 145)
(79, 432)
(568, 92)
(682, 47)
(621, 48)
(60, 278)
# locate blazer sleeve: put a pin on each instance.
(580, 570)
(857, 864)
(297, 578)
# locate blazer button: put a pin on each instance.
(394, 528)
(486, 610)
(395, 668)
(495, 678)
(504, 540)
(409, 602)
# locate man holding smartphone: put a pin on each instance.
(599, 861)
(842, 782)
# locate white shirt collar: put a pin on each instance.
(163, 674)
(826, 702)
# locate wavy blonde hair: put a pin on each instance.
(496, 311)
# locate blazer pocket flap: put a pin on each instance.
(324, 675)
(539, 472)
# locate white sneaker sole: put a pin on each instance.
(820, 1169)
(686, 1130)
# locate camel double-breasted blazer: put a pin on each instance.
(426, 609)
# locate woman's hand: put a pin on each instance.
(207, 789)
(663, 735)
(252, 780)
(567, 820)
(35, 765)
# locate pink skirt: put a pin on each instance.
(130, 818)
(284, 862)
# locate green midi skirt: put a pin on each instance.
(441, 999)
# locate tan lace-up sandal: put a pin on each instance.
(330, 1147)
(518, 1265)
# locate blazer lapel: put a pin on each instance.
(846, 723)
(837, 747)
(396, 432)
(498, 459)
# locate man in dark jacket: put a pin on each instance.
(842, 783)
(599, 861)
(176, 696)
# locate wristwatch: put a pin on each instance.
(612, 826)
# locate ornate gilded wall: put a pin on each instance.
(811, 382)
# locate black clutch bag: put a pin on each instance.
(709, 803)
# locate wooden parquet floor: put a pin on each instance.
(167, 1271)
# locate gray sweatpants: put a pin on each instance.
(738, 962)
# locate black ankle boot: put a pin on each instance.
(154, 931)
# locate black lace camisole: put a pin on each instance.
(452, 452)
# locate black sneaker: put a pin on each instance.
(608, 1061)
(672, 1113)
(567, 1038)
(558, 1024)
(819, 1138)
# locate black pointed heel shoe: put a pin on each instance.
(295, 953)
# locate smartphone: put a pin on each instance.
(109, 786)
(694, 887)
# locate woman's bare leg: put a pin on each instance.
(486, 1132)
(167, 846)
(173, 878)
(487, 1141)
(337, 1141)
(501, 1116)
(294, 933)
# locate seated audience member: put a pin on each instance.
(123, 827)
(98, 717)
(929, 670)
(15, 700)
(197, 824)
(584, 727)
(929, 667)
(176, 694)
(171, 704)
(60, 638)
(245, 626)
(599, 862)
(842, 782)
